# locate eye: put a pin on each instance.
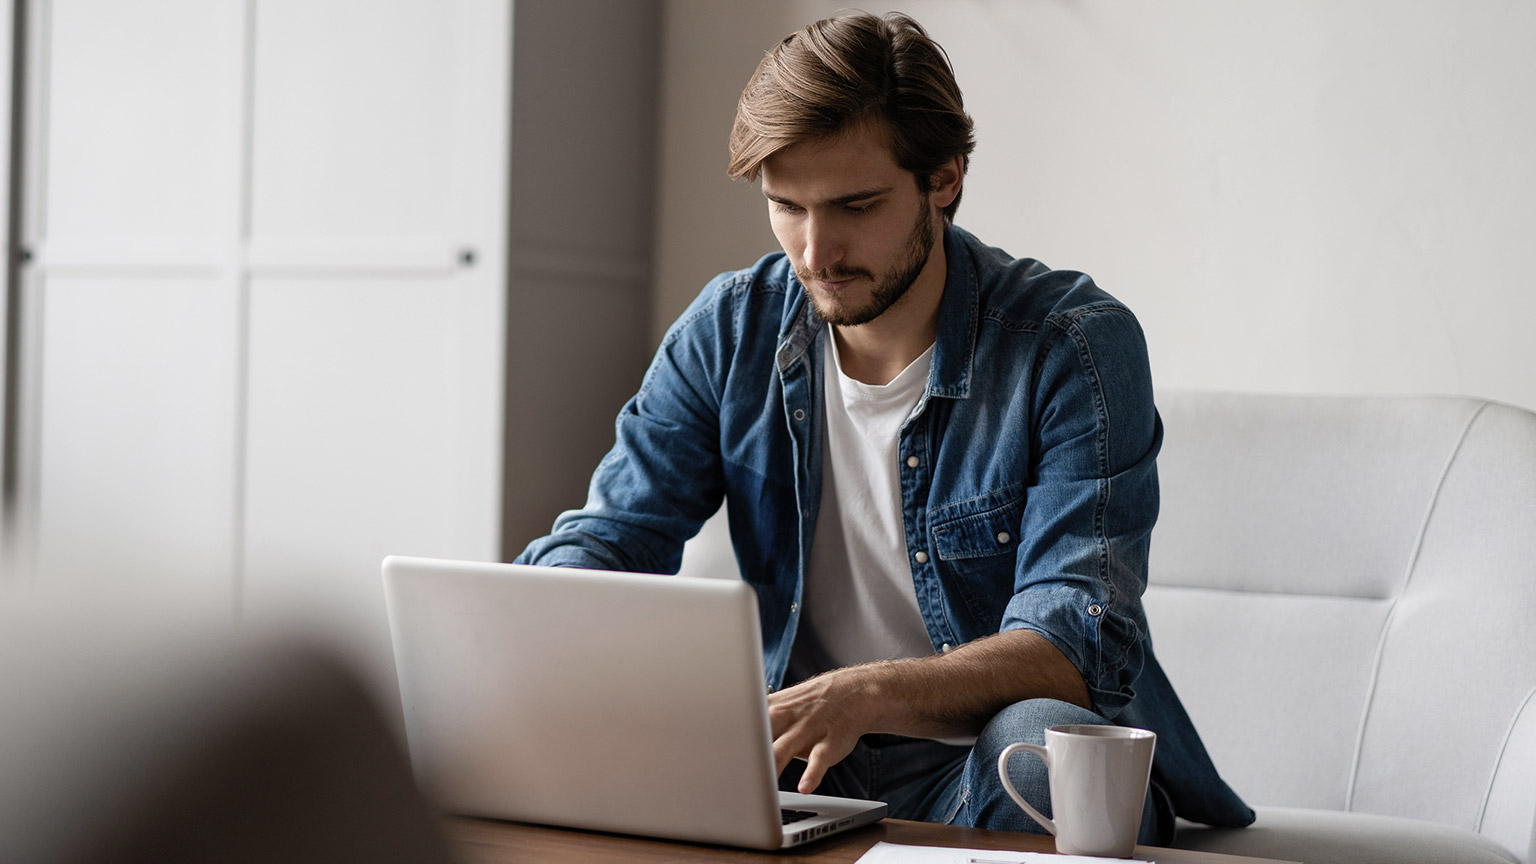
(784, 207)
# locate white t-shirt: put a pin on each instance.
(858, 603)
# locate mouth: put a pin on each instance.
(832, 282)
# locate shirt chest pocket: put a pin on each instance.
(978, 528)
(975, 541)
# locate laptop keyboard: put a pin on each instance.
(794, 815)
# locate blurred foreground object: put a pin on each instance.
(118, 744)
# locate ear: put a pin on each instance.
(946, 182)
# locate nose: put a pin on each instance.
(824, 246)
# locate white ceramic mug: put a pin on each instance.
(1098, 781)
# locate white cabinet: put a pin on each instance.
(133, 298)
(267, 303)
(136, 492)
(375, 300)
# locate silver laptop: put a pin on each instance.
(586, 699)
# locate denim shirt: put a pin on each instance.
(1028, 476)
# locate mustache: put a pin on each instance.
(828, 275)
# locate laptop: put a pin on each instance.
(586, 699)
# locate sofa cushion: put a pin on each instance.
(1330, 837)
(1299, 495)
(1275, 683)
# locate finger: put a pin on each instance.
(815, 768)
(785, 749)
(781, 757)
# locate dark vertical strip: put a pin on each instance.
(511, 540)
(16, 261)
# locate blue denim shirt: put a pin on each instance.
(1028, 475)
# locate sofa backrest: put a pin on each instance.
(1343, 591)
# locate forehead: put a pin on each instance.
(859, 157)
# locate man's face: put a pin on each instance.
(852, 221)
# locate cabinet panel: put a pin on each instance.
(142, 119)
(364, 414)
(138, 436)
(354, 132)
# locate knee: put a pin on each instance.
(986, 804)
(1027, 721)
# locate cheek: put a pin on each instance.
(788, 237)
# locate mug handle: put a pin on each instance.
(1002, 775)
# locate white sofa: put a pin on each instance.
(1344, 594)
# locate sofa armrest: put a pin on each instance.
(1509, 813)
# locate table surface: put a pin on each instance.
(484, 841)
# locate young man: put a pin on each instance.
(939, 460)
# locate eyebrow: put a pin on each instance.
(839, 201)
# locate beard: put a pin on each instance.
(889, 288)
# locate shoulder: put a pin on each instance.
(1059, 324)
(1025, 294)
(1080, 351)
(1024, 307)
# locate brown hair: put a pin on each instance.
(830, 75)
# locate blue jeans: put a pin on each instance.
(929, 781)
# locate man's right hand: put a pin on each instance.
(820, 721)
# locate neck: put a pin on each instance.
(876, 352)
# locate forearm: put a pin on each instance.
(956, 693)
(951, 694)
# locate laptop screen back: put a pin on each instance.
(606, 701)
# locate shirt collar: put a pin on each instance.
(954, 349)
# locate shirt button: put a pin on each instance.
(1095, 610)
(946, 647)
(921, 557)
(793, 608)
(913, 462)
(1003, 538)
(799, 414)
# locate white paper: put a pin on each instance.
(892, 853)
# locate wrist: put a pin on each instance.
(876, 690)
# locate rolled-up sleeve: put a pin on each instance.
(1091, 500)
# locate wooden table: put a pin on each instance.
(482, 841)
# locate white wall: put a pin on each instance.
(1293, 196)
